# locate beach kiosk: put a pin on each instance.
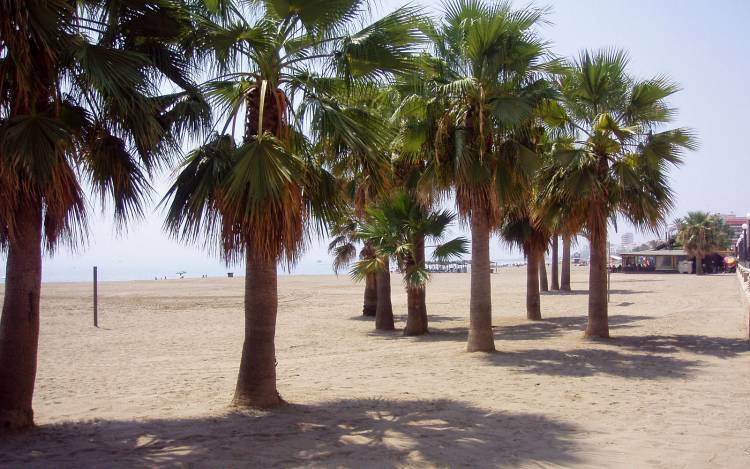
(666, 260)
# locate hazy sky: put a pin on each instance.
(702, 45)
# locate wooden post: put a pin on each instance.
(96, 302)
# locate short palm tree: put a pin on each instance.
(399, 229)
(522, 226)
(79, 101)
(345, 249)
(281, 64)
(620, 159)
(492, 67)
(702, 234)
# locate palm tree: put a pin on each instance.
(79, 102)
(365, 179)
(543, 284)
(523, 226)
(343, 247)
(702, 234)
(400, 229)
(620, 160)
(565, 263)
(554, 245)
(525, 223)
(492, 63)
(563, 216)
(258, 200)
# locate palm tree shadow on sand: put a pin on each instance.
(592, 362)
(531, 330)
(349, 432)
(613, 291)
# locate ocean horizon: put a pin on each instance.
(117, 272)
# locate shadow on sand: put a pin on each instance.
(649, 357)
(720, 347)
(402, 318)
(586, 292)
(554, 327)
(592, 362)
(532, 330)
(350, 432)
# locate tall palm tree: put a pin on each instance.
(365, 180)
(620, 160)
(259, 199)
(399, 229)
(564, 216)
(492, 65)
(525, 223)
(702, 234)
(79, 101)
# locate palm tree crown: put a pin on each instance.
(702, 234)
(79, 94)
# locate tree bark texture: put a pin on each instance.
(533, 300)
(416, 318)
(543, 285)
(384, 311)
(481, 337)
(19, 326)
(370, 304)
(256, 383)
(554, 270)
(565, 270)
(598, 321)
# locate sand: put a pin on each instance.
(152, 385)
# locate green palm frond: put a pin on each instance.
(117, 176)
(363, 267)
(451, 250)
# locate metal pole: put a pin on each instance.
(96, 301)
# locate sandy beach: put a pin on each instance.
(152, 385)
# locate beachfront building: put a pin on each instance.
(665, 260)
(740, 240)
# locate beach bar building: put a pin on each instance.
(666, 260)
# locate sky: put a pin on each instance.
(702, 45)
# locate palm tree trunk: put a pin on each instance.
(384, 311)
(565, 271)
(533, 301)
(598, 323)
(371, 295)
(698, 265)
(256, 384)
(480, 307)
(554, 273)
(19, 326)
(543, 285)
(416, 318)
